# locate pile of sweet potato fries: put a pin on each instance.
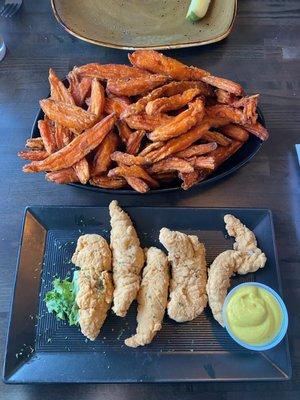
(142, 126)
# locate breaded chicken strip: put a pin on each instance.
(128, 259)
(187, 289)
(152, 298)
(246, 257)
(93, 283)
(94, 299)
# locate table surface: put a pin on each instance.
(263, 53)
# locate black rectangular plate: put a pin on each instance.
(42, 349)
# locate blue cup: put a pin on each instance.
(284, 324)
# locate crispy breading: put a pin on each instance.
(179, 124)
(109, 71)
(105, 182)
(152, 298)
(128, 259)
(63, 176)
(94, 299)
(158, 63)
(246, 257)
(33, 155)
(94, 283)
(72, 117)
(97, 102)
(235, 132)
(135, 86)
(164, 104)
(172, 164)
(168, 90)
(133, 171)
(197, 150)
(102, 161)
(76, 150)
(187, 287)
(225, 84)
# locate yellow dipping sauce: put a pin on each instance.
(253, 315)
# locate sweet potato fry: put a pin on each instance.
(116, 104)
(67, 175)
(171, 164)
(225, 97)
(124, 131)
(165, 177)
(97, 101)
(249, 105)
(33, 155)
(150, 147)
(137, 184)
(202, 162)
(128, 159)
(220, 155)
(63, 136)
(235, 132)
(258, 130)
(76, 150)
(105, 182)
(197, 150)
(135, 86)
(102, 160)
(79, 87)
(35, 143)
(175, 102)
(179, 143)
(180, 124)
(214, 136)
(82, 170)
(134, 141)
(72, 117)
(225, 111)
(225, 84)
(158, 63)
(58, 90)
(171, 89)
(147, 122)
(109, 71)
(133, 171)
(47, 135)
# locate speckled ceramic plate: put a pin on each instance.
(137, 24)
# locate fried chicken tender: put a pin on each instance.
(246, 257)
(93, 282)
(152, 298)
(187, 288)
(128, 259)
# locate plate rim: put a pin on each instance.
(80, 36)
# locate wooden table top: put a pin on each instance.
(263, 53)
